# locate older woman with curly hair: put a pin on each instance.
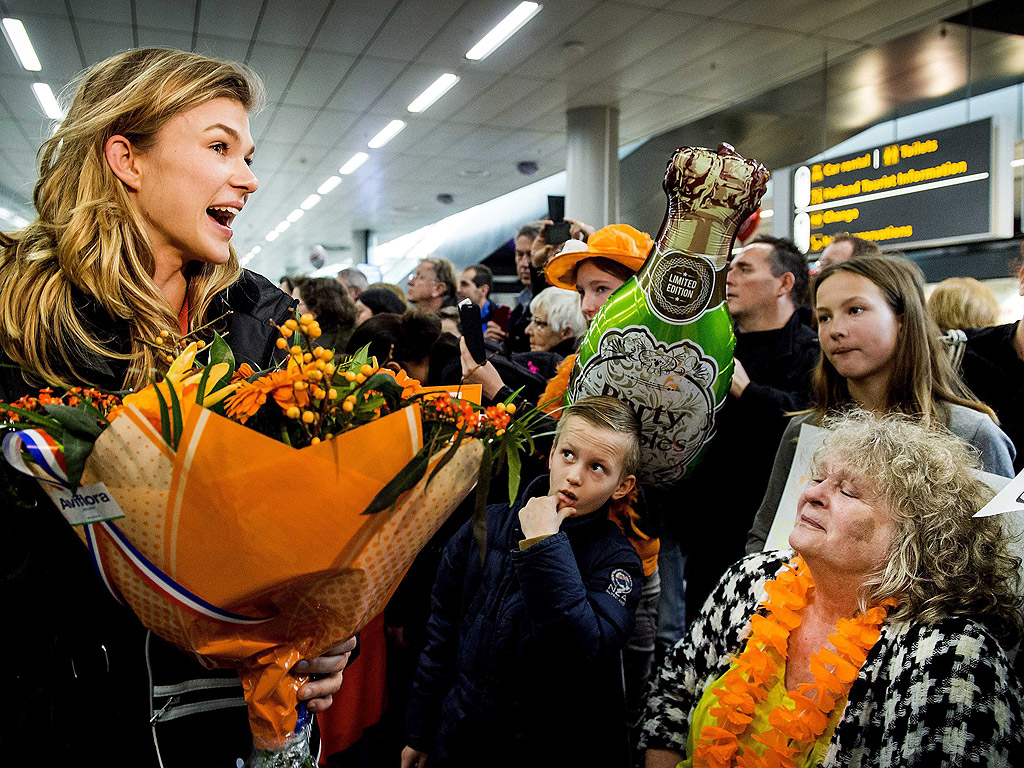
(878, 640)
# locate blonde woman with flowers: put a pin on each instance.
(878, 640)
(130, 253)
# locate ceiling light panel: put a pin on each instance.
(17, 38)
(295, 215)
(434, 91)
(353, 163)
(328, 186)
(505, 28)
(47, 101)
(386, 134)
(311, 201)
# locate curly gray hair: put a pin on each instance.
(942, 561)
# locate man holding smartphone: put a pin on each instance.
(476, 284)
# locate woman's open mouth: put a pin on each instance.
(222, 217)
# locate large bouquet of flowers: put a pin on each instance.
(258, 518)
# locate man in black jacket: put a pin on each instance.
(522, 660)
(775, 355)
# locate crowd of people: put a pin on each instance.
(607, 623)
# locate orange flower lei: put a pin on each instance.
(746, 684)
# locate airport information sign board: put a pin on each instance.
(929, 189)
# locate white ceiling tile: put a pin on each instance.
(704, 7)
(329, 127)
(411, 27)
(321, 71)
(364, 83)
(496, 99)
(20, 9)
(101, 40)
(435, 143)
(288, 123)
(222, 47)
(228, 18)
(351, 25)
(108, 11)
(275, 64)
(178, 15)
(291, 23)
(150, 37)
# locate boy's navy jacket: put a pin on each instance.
(522, 654)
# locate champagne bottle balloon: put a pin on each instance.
(663, 342)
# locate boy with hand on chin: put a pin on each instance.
(522, 660)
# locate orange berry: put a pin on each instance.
(308, 417)
(328, 355)
(349, 376)
(169, 358)
(282, 344)
(315, 332)
(360, 378)
(285, 331)
(291, 325)
(347, 406)
(314, 441)
(300, 385)
(303, 328)
(320, 364)
(501, 407)
(366, 370)
(165, 333)
(292, 412)
(511, 407)
(306, 318)
(330, 369)
(200, 344)
(158, 340)
(296, 350)
(328, 436)
(307, 358)
(332, 394)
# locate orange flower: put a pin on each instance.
(409, 385)
(244, 372)
(250, 396)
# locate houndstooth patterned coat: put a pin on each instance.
(928, 695)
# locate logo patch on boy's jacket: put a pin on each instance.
(621, 585)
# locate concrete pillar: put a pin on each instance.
(592, 167)
(362, 239)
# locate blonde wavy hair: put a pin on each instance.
(942, 561)
(88, 238)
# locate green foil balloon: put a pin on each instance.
(663, 342)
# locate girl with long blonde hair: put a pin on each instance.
(138, 187)
(882, 352)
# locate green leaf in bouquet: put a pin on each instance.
(514, 470)
(165, 417)
(76, 453)
(410, 474)
(220, 352)
(449, 454)
(483, 486)
(175, 415)
(77, 420)
(386, 385)
(201, 391)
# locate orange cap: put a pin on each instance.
(618, 242)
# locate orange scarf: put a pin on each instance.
(747, 683)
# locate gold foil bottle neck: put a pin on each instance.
(710, 194)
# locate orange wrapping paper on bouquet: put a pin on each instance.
(269, 532)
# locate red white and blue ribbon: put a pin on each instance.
(48, 457)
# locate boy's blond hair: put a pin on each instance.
(607, 413)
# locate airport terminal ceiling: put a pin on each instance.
(781, 80)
